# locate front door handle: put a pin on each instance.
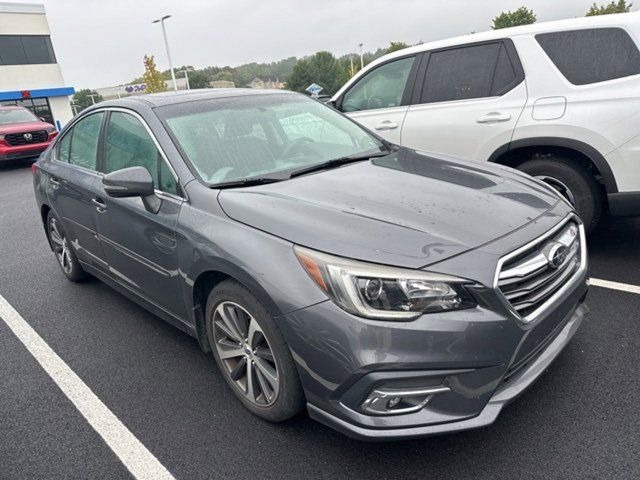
(494, 117)
(386, 125)
(101, 207)
(55, 182)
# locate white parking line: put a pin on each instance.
(622, 287)
(134, 455)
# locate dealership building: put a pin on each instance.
(29, 73)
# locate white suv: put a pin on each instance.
(558, 100)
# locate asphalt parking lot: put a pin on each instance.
(579, 420)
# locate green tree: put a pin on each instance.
(521, 16)
(152, 77)
(198, 79)
(82, 98)
(322, 68)
(395, 46)
(614, 7)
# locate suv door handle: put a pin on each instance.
(55, 182)
(494, 117)
(101, 207)
(386, 125)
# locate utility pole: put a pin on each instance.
(93, 98)
(186, 76)
(361, 56)
(166, 46)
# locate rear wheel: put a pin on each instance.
(572, 182)
(63, 250)
(251, 353)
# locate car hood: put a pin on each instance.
(406, 209)
(24, 127)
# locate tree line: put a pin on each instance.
(323, 68)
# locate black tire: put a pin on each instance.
(63, 250)
(585, 194)
(289, 397)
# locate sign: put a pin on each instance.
(25, 94)
(314, 89)
(140, 88)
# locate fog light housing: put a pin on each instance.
(384, 401)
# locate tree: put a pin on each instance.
(83, 98)
(152, 77)
(395, 46)
(521, 16)
(614, 7)
(198, 79)
(322, 68)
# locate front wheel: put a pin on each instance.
(572, 182)
(251, 353)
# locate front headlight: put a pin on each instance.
(382, 292)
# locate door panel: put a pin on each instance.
(70, 192)
(386, 122)
(467, 100)
(141, 248)
(467, 129)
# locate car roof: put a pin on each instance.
(612, 20)
(181, 96)
(11, 107)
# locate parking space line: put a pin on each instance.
(622, 287)
(132, 453)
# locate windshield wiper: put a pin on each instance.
(336, 162)
(247, 182)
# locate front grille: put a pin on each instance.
(15, 139)
(531, 276)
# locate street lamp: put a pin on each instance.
(166, 46)
(186, 76)
(361, 56)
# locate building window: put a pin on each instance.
(26, 50)
(39, 106)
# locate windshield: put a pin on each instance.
(16, 115)
(257, 135)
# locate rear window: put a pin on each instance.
(468, 72)
(592, 55)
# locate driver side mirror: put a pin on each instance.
(132, 182)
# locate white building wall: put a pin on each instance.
(61, 109)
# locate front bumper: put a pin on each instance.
(22, 151)
(504, 394)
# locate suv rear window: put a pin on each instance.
(592, 55)
(473, 71)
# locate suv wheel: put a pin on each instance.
(251, 353)
(573, 182)
(63, 250)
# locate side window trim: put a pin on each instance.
(162, 156)
(408, 88)
(512, 55)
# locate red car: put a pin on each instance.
(22, 134)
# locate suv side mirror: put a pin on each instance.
(132, 182)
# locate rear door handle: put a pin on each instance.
(386, 125)
(54, 181)
(99, 204)
(494, 117)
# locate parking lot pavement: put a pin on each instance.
(579, 420)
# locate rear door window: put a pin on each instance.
(592, 55)
(474, 71)
(84, 141)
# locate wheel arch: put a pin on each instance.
(519, 151)
(207, 278)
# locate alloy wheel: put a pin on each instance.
(245, 353)
(61, 246)
(560, 186)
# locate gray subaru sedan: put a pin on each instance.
(392, 293)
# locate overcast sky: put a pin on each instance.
(101, 43)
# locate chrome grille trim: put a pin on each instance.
(526, 282)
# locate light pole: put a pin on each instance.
(93, 98)
(166, 46)
(186, 76)
(361, 56)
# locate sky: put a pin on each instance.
(101, 43)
